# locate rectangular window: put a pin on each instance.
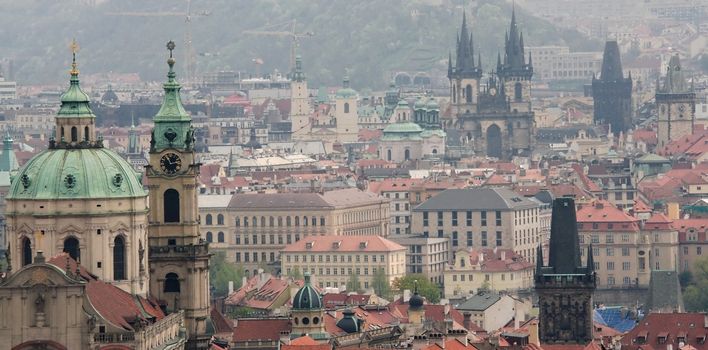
(610, 251)
(454, 238)
(595, 238)
(609, 238)
(610, 281)
(498, 218)
(454, 218)
(626, 280)
(238, 239)
(625, 237)
(499, 239)
(625, 251)
(484, 218)
(454, 278)
(699, 250)
(255, 257)
(618, 196)
(440, 219)
(425, 218)
(626, 266)
(462, 278)
(238, 257)
(610, 265)
(597, 266)
(470, 241)
(685, 250)
(255, 240)
(595, 251)
(469, 218)
(440, 233)
(271, 239)
(484, 238)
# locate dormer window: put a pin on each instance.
(641, 338)
(362, 245)
(309, 245)
(336, 245)
(662, 337)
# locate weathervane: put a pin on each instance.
(170, 46)
(74, 49)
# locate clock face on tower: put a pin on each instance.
(170, 163)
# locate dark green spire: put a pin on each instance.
(173, 127)
(298, 74)
(172, 109)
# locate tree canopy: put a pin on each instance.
(427, 289)
(695, 296)
(221, 272)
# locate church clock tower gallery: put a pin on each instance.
(179, 259)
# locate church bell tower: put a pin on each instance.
(179, 258)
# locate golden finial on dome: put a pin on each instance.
(74, 49)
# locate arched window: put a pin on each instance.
(86, 133)
(271, 222)
(220, 237)
(119, 258)
(280, 221)
(209, 237)
(171, 283)
(62, 132)
(322, 221)
(297, 221)
(71, 247)
(454, 94)
(255, 221)
(263, 221)
(517, 92)
(26, 251)
(208, 219)
(304, 220)
(171, 202)
(468, 93)
(388, 155)
(74, 134)
(288, 221)
(407, 154)
(346, 107)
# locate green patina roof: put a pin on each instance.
(76, 173)
(432, 104)
(419, 103)
(307, 297)
(173, 128)
(405, 127)
(402, 103)
(346, 91)
(8, 160)
(652, 158)
(74, 101)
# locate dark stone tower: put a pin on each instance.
(565, 287)
(464, 75)
(514, 71)
(676, 103)
(612, 93)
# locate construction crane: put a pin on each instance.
(281, 30)
(189, 56)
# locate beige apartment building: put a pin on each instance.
(256, 227)
(558, 63)
(331, 260)
(398, 192)
(625, 251)
(495, 269)
(481, 218)
(693, 241)
(426, 255)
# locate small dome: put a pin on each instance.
(419, 103)
(402, 104)
(416, 301)
(432, 104)
(349, 323)
(307, 297)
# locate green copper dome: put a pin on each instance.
(346, 91)
(73, 169)
(307, 297)
(405, 127)
(419, 103)
(432, 104)
(76, 173)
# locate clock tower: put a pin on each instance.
(179, 259)
(676, 103)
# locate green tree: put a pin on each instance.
(380, 284)
(685, 279)
(485, 287)
(353, 284)
(295, 273)
(695, 297)
(428, 289)
(221, 272)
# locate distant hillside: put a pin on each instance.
(369, 37)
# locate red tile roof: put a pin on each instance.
(392, 185)
(602, 211)
(346, 244)
(264, 329)
(305, 343)
(693, 325)
(658, 221)
(453, 344)
(492, 260)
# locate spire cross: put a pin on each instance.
(74, 46)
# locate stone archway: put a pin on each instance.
(494, 141)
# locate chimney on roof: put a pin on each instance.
(39, 258)
(467, 321)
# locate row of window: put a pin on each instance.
(337, 258)
(626, 281)
(271, 239)
(487, 277)
(219, 219)
(265, 257)
(609, 238)
(327, 271)
(468, 218)
(469, 238)
(608, 251)
(699, 250)
(271, 222)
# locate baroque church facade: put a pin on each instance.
(92, 263)
(494, 116)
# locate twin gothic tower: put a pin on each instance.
(495, 116)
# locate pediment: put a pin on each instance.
(39, 274)
(71, 228)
